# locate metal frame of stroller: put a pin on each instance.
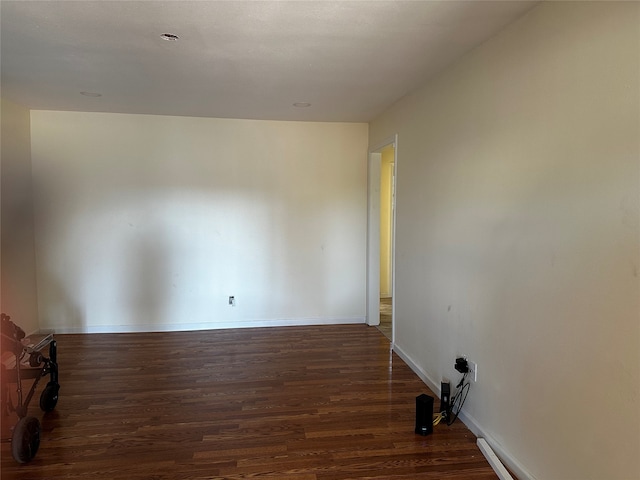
(25, 438)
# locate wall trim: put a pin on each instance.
(493, 460)
(390, 140)
(184, 327)
(424, 376)
(472, 424)
(503, 455)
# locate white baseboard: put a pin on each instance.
(184, 327)
(493, 460)
(45, 331)
(505, 457)
(424, 376)
(472, 424)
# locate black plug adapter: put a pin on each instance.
(462, 365)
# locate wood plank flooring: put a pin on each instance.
(296, 403)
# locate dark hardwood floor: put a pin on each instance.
(297, 403)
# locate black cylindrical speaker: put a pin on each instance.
(424, 414)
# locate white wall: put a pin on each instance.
(150, 222)
(19, 298)
(518, 237)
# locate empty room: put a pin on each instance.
(320, 240)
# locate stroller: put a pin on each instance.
(20, 362)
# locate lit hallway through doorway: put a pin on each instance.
(385, 326)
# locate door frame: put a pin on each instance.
(373, 231)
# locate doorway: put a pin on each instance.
(381, 236)
(387, 194)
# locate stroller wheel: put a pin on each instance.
(35, 359)
(25, 439)
(49, 396)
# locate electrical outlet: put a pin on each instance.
(473, 370)
(232, 300)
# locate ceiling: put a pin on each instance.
(236, 59)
